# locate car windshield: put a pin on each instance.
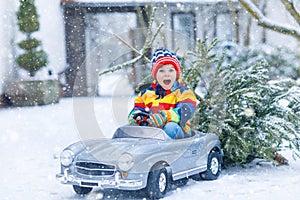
(140, 132)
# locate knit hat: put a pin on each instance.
(164, 57)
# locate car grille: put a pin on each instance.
(95, 169)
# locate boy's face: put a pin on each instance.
(166, 76)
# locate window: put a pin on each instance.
(103, 49)
(183, 25)
(224, 27)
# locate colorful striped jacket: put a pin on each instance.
(156, 100)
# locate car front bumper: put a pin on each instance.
(113, 182)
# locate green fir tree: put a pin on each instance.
(32, 59)
(242, 106)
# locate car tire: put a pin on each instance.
(213, 168)
(158, 183)
(82, 190)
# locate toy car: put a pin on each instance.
(140, 157)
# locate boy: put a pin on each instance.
(166, 97)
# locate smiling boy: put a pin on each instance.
(166, 97)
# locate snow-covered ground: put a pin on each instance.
(31, 138)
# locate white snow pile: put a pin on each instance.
(31, 139)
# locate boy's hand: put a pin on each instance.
(132, 121)
(140, 119)
(156, 120)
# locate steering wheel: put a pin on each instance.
(142, 121)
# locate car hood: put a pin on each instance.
(105, 150)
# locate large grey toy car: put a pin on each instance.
(140, 157)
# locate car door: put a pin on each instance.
(189, 156)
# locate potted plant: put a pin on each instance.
(33, 58)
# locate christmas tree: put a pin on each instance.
(242, 105)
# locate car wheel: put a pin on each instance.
(213, 168)
(82, 190)
(158, 183)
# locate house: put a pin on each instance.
(79, 35)
(91, 46)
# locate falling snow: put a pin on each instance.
(32, 138)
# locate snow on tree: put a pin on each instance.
(291, 7)
(243, 106)
(283, 62)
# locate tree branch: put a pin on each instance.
(267, 23)
(289, 6)
(121, 66)
(149, 42)
(233, 11)
(141, 53)
(130, 46)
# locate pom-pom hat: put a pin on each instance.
(164, 57)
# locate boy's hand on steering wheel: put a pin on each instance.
(132, 121)
(139, 119)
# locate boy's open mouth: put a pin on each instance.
(167, 82)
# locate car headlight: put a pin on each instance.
(125, 162)
(66, 157)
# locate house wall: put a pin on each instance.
(52, 33)
(7, 35)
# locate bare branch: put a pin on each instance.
(126, 43)
(267, 23)
(151, 21)
(130, 46)
(121, 66)
(141, 54)
(235, 18)
(149, 42)
(289, 6)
